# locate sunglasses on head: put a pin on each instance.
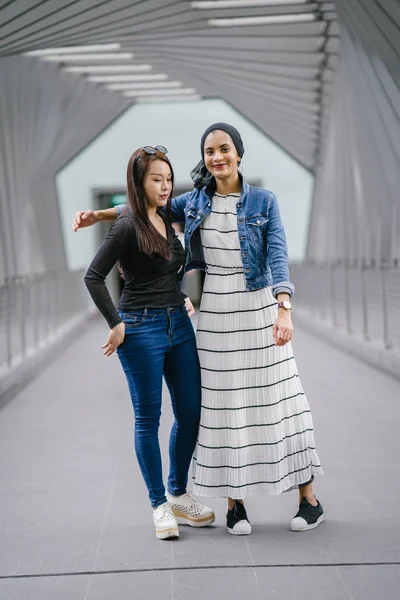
(154, 149)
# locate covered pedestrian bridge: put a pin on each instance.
(321, 79)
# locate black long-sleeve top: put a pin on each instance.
(149, 282)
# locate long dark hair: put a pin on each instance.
(149, 240)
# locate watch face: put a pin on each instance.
(286, 304)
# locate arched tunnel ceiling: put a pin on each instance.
(279, 75)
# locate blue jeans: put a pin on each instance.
(161, 342)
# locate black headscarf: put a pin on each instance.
(200, 175)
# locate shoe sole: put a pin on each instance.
(233, 532)
(183, 519)
(166, 534)
(308, 527)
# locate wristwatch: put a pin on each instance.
(285, 304)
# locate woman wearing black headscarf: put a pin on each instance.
(256, 430)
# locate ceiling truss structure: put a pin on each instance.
(279, 75)
(275, 61)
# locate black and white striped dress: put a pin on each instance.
(256, 430)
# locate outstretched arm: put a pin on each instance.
(85, 218)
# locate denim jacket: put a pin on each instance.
(261, 235)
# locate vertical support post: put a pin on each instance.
(8, 293)
(23, 316)
(333, 295)
(346, 267)
(385, 315)
(364, 266)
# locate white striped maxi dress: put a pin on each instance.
(256, 430)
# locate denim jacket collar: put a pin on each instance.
(211, 188)
(261, 235)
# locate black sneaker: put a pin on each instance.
(308, 516)
(237, 521)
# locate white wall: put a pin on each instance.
(179, 127)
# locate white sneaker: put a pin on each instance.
(189, 511)
(165, 522)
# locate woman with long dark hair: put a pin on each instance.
(153, 335)
(256, 431)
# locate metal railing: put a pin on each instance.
(361, 300)
(36, 308)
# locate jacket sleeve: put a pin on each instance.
(111, 250)
(178, 207)
(277, 251)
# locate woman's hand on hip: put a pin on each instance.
(189, 307)
(283, 328)
(115, 339)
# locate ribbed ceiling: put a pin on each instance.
(278, 75)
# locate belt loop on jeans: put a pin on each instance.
(145, 313)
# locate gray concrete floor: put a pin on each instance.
(75, 522)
